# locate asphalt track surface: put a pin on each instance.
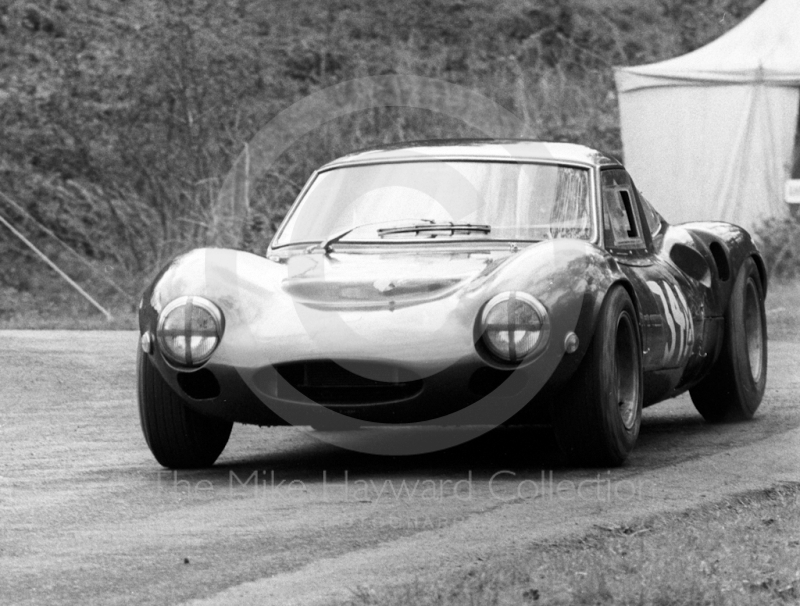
(88, 517)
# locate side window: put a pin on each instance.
(651, 216)
(620, 218)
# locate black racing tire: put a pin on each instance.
(598, 416)
(734, 387)
(178, 437)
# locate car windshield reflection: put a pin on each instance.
(444, 199)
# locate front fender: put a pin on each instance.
(571, 278)
(240, 283)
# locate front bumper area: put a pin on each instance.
(306, 392)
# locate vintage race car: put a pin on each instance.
(473, 283)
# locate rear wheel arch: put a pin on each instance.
(762, 271)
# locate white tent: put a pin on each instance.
(709, 135)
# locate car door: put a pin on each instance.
(627, 238)
(682, 297)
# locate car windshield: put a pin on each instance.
(484, 200)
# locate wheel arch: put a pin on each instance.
(735, 245)
(762, 271)
(588, 422)
(634, 299)
(628, 286)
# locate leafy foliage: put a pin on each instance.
(119, 119)
(779, 242)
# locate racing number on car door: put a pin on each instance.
(678, 318)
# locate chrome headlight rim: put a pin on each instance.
(189, 301)
(510, 357)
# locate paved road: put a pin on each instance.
(88, 517)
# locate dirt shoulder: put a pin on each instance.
(90, 518)
(571, 509)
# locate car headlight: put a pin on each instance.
(514, 326)
(189, 330)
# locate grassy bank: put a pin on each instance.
(745, 550)
(119, 120)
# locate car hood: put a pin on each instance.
(364, 281)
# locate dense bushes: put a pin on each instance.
(779, 242)
(118, 119)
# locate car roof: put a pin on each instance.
(478, 149)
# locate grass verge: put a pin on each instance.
(34, 320)
(744, 550)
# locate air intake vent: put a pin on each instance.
(200, 385)
(720, 260)
(347, 382)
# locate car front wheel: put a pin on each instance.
(597, 419)
(178, 437)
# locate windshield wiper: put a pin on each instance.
(450, 227)
(325, 245)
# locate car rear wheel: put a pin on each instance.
(178, 437)
(598, 418)
(734, 387)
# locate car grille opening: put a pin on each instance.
(486, 380)
(199, 385)
(347, 382)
